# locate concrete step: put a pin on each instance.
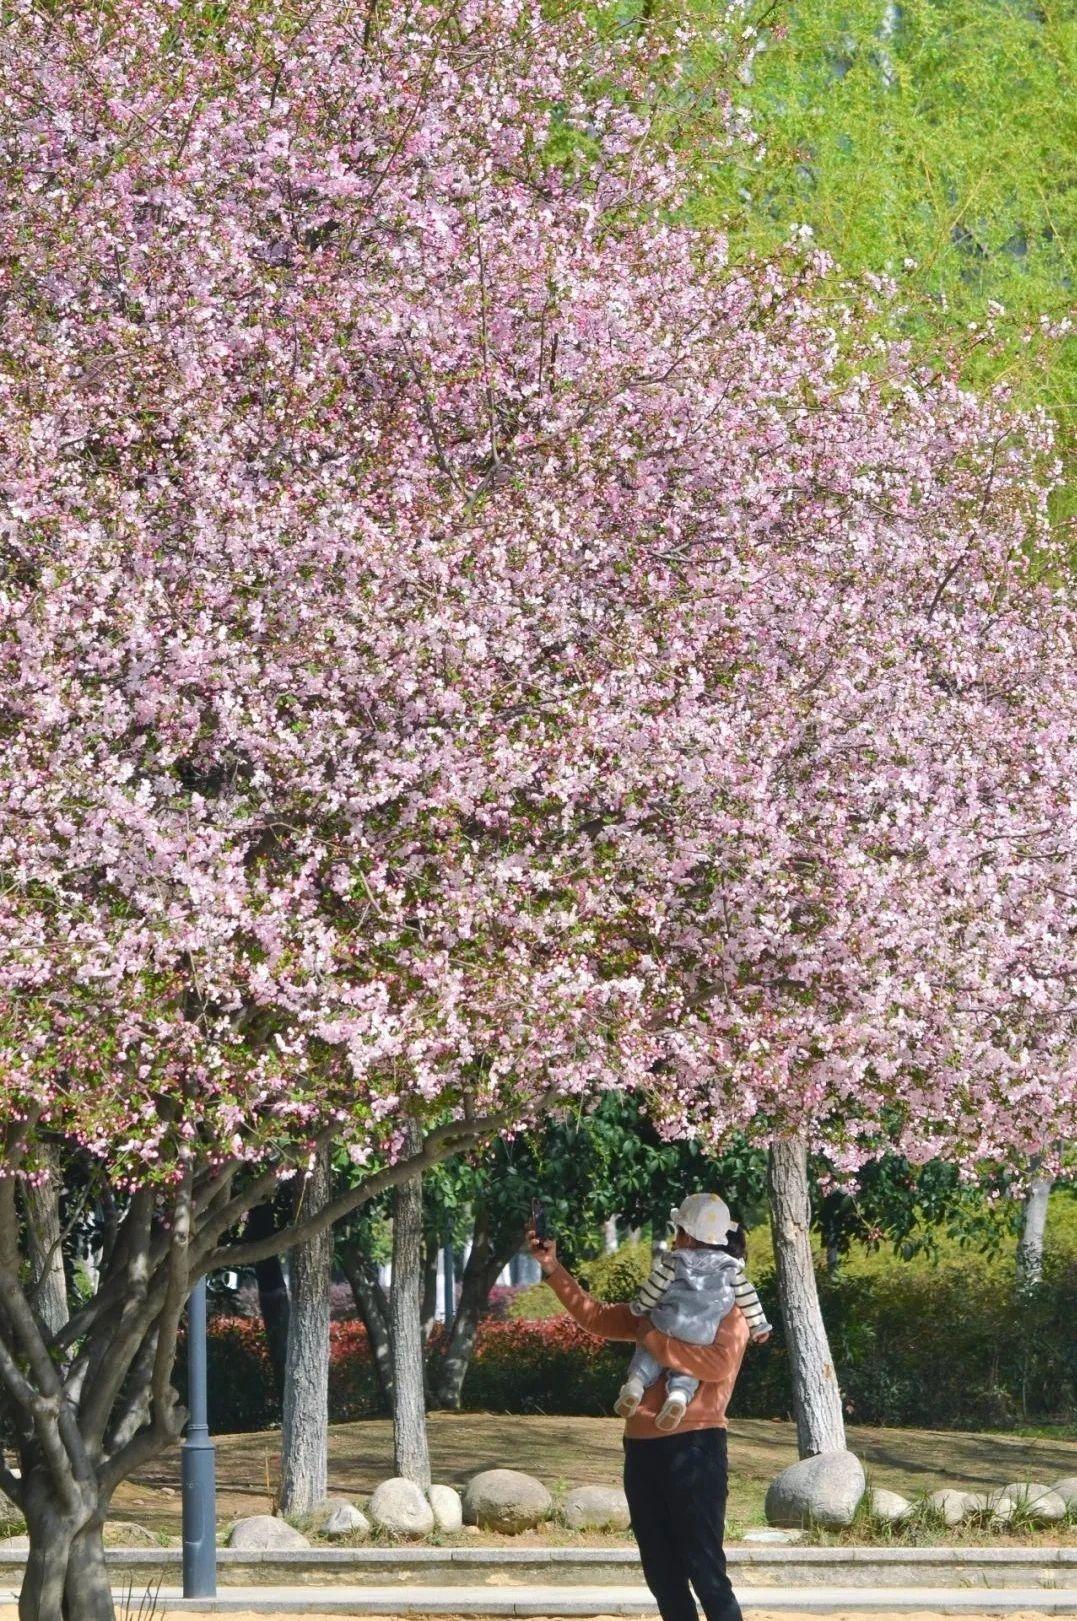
(603, 1567)
(472, 1603)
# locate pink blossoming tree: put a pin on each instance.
(465, 645)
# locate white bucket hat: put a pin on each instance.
(704, 1217)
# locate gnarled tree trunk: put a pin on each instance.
(304, 1477)
(410, 1449)
(66, 1578)
(489, 1255)
(88, 1591)
(88, 1406)
(52, 1530)
(816, 1397)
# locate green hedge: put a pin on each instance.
(925, 1342)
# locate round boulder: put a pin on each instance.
(128, 1534)
(340, 1518)
(890, 1507)
(824, 1490)
(447, 1508)
(954, 1505)
(506, 1500)
(399, 1507)
(1042, 1504)
(1066, 1488)
(596, 1508)
(265, 1531)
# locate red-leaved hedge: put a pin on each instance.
(523, 1367)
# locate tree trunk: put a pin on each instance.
(481, 1271)
(410, 1450)
(88, 1592)
(816, 1397)
(305, 1433)
(1033, 1228)
(52, 1533)
(609, 1235)
(272, 1296)
(41, 1597)
(373, 1309)
(428, 1312)
(41, 1204)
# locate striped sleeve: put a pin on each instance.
(662, 1274)
(750, 1304)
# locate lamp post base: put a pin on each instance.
(198, 1464)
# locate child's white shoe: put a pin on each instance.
(628, 1399)
(670, 1413)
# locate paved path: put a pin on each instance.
(553, 1602)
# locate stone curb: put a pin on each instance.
(582, 1572)
(736, 1554)
(552, 1602)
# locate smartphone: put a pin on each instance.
(538, 1219)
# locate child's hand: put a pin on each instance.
(761, 1339)
(544, 1250)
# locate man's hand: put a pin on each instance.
(544, 1250)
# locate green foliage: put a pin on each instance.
(535, 1304)
(914, 1208)
(936, 1340)
(618, 1277)
(935, 140)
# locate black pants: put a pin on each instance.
(676, 1487)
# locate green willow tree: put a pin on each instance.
(933, 140)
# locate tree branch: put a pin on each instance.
(439, 1144)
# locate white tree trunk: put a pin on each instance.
(1033, 1227)
(816, 1397)
(410, 1451)
(305, 1436)
(609, 1235)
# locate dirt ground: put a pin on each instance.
(574, 1451)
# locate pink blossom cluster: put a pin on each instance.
(460, 637)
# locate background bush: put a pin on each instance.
(936, 1340)
(939, 1340)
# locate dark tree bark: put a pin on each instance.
(410, 1449)
(44, 1234)
(272, 1296)
(88, 1589)
(372, 1304)
(428, 1310)
(816, 1397)
(304, 1481)
(490, 1254)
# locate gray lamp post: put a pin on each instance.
(198, 1465)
